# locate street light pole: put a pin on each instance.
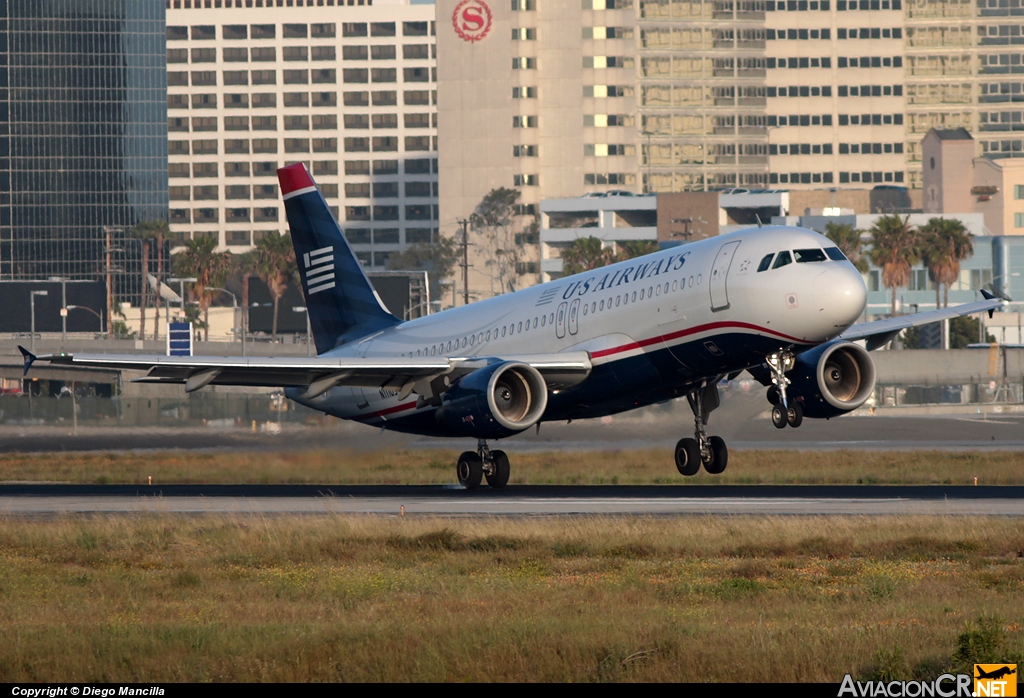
(32, 305)
(85, 307)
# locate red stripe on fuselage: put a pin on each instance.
(390, 410)
(690, 330)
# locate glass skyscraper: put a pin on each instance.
(83, 135)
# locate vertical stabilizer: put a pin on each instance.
(342, 303)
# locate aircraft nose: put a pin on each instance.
(840, 295)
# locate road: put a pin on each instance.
(34, 500)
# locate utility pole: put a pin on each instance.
(465, 261)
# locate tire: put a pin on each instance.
(688, 457)
(779, 417)
(773, 395)
(795, 414)
(470, 470)
(502, 469)
(719, 456)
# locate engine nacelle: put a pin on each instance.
(832, 379)
(495, 401)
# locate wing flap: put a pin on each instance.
(318, 374)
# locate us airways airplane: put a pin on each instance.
(779, 302)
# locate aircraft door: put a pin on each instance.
(720, 274)
(560, 319)
(574, 316)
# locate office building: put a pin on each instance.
(558, 99)
(83, 137)
(348, 88)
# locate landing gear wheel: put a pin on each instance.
(719, 456)
(773, 395)
(688, 457)
(779, 418)
(498, 477)
(470, 470)
(795, 415)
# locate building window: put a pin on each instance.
(520, 180)
(385, 120)
(385, 190)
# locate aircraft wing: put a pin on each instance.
(316, 374)
(881, 332)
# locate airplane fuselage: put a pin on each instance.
(654, 326)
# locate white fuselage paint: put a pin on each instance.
(685, 293)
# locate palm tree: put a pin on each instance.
(946, 242)
(209, 268)
(894, 248)
(847, 239)
(142, 232)
(584, 254)
(635, 248)
(246, 267)
(160, 230)
(275, 259)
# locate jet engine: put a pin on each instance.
(495, 401)
(832, 379)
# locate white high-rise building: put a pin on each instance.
(346, 87)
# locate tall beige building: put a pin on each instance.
(562, 98)
(348, 88)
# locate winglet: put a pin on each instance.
(29, 357)
(992, 296)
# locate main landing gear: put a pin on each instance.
(473, 467)
(709, 451)
(784, 411)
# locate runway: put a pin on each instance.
(49, 500)
(649, 430)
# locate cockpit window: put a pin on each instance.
(782, 260)
(766, 262)
(812, 255)
(835, 254)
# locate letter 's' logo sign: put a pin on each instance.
(319, 266)
(472, 20)
(995, 680)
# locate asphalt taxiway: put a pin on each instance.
(48, 500)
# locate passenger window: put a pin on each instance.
(503, 329)
(641, 294)
(520, 327)
(812, 255)
(633, 297)
(585, 309)
(766, 262)
(602, 305)
(487, 338)
(835, 254)
(593, 307)
(782, 260)
(675, 286)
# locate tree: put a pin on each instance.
(847, 239)
(497, 221)
(209, 268)
(142, 232)
(438, 259)
(158, 229)
(245, 267)
(635, 248)
(584, 254)
(895, 249)
(945, 242)
(275, 260)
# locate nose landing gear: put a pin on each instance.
(473, 467)
(784, 410)
(709, 451)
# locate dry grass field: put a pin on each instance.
(162, 598)
(569, 467)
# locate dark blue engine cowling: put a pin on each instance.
(832, 379)
(495, 401)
